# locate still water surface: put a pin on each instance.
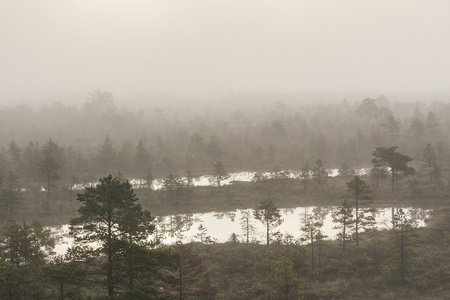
(220, 226)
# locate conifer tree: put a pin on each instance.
(111, 217)
(358, 190)
(402, 249)
(269, 215)
(393, 161)
(343, 216)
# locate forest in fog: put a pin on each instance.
(67, 164)
(226, 150)
(264, 132)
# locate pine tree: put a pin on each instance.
(191, 271)
(402, 249)
(358, 190)
(219, 173)
(23, 252)
(111, 217)
(393, 161)
(246, 225)
(269, 215)
(343, 216)
(431, 160)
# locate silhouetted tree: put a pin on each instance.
(219, 173)
(392, 127)
(319, 174)
(368, 109)
(111, 217)
(100, 103)
(48, 169)
(431, 126)
(269, 215)
(395, 162)
(175, 188)
(358, 190)
(343, 216)
(142, 158)
(431, 160)
(23, 252)
(191, 271)
(305, 175)
(246, 225)
(402, 249)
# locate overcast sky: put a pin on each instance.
(61, 47)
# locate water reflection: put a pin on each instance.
(229, 214)
(175, 226)
(241, 225)
(222, 225)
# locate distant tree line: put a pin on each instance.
(98, 137)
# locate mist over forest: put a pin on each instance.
(253, 132)
(224, 149)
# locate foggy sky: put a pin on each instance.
(63, 47)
